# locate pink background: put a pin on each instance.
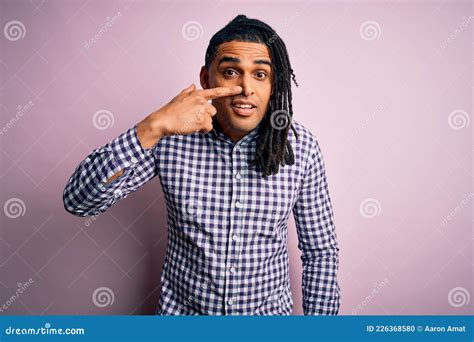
(390, 104)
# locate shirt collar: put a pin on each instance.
(217, 133)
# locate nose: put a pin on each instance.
(246, 84)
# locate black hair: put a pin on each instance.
(273, 147)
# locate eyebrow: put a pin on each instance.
(237, 60)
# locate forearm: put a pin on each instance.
(147, 135)
(108, 174)
(314, 218)
(321, 292)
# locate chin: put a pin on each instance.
(245, 127)
(244, 124)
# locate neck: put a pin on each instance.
(226, 129)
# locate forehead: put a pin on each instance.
(245, 51)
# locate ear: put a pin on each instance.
(204, 78)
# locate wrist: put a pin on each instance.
(147, 135)
(159, 123)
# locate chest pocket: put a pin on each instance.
(197, 203)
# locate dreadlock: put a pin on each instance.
(273, 147)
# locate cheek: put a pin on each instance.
(214, 80)
(265, 95)
(219, 81)
(264, 90)
(219, 103)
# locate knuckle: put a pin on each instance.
(207, 128)
(210, 109)
(200, 118)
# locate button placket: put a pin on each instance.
(233, 250)
(234, 234)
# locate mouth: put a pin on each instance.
(243, 110)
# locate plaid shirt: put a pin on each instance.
(227, 226)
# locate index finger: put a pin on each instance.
(214, 93)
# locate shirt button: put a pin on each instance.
(230, 301)
(235, 237)
(238, 175)
(232, 270)
(238, 204)
(134, 160)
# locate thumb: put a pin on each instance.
(188, 89)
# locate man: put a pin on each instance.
(231, 171)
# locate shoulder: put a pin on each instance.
(306, 141)
(306, 148)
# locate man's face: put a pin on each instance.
(240, 64)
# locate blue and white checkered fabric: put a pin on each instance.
(227, 250)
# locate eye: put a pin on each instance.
(228, 72)
(261, 74)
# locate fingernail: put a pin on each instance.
(237, 89)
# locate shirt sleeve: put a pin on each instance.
(317, 240)
(86, 193)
